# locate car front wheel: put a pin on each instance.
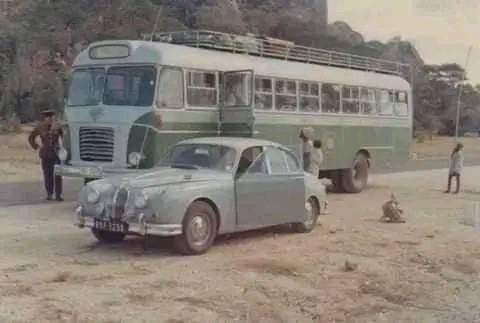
(108, 237)
(312, 212)
(199, 229)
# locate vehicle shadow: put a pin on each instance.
(153, 246)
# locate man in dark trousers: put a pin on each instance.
(50, 134)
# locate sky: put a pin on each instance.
(441, 30)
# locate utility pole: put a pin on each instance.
(459, 100)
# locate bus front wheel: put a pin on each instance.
(355, 179)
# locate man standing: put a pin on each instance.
(50, 134)
(306, 135)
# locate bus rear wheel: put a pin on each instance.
(355, 179)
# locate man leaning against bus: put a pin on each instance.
(51, 135)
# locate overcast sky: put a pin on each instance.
(442, 30)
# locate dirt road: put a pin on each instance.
(423, 271)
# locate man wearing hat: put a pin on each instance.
(50, 134)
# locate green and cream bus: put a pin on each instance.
(129, 101)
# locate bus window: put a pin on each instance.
(238, 89)
(401, 104)
(309, 97)
(202, 89)
(86, 87)
(331, 98)
(263, 94)
(351, 99)
(368, 103)
(170, 89)
(286, 95)
(130, 86)
(385, 107)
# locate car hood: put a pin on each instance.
(164, 176)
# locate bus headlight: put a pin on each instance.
(134, 159)
(141, 200)
(93, 196)
(62, 154)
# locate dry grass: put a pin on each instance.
(441, 147)
(276, 267)
(62, 277)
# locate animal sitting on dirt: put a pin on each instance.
(391, 211)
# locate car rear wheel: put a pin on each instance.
(108, 237)
(312, 211)
(355, 179)
(199, 229)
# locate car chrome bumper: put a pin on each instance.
(90, 171)
(141, 228)
(79, 171)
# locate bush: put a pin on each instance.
(10, 125)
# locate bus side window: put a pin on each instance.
(286, 95)
(309, 97)
(263, 93)
(385, 103)
(170, 89)
(351, 99)
(367, 101)
(401, 104)
(202, 89)
(330, 98)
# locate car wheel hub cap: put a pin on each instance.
(199, 229)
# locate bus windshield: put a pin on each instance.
(86, 87)
(124, 86)
(132, 86)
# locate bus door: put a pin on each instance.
(236, 114)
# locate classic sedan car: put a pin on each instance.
(206, 187)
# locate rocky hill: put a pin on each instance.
(40, 38)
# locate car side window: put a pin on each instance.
(276, 159)
(248, 157)
(292, 162)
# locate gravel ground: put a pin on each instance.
(425, 270)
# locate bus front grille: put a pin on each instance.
(96, 144)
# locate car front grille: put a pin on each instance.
(96, 144)
(119, 202)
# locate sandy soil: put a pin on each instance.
(425, 270)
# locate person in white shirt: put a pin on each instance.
(306, 135)
(456, 166)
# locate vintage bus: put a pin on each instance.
(129, 101)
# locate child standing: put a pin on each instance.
(456, 166)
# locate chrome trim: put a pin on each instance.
(96, 144)
(146, 229)
(115, 201)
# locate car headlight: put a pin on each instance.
(141, 200)
(134, 158)
(93, 196)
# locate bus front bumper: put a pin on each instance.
(89, 171)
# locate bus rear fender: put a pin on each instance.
(365, 153)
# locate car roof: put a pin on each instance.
(238, 143)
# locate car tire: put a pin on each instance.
(199, 229)
(108, 237)
(355, 179)
(88, 180)
(312, 210)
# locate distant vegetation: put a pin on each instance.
(40, 38)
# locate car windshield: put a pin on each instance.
(196, 156)
(86, 87)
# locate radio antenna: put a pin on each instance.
(159, 12)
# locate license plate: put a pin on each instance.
(110, 226)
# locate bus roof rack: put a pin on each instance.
(257, 45)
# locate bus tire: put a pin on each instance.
(336, 178)
(355, 179)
